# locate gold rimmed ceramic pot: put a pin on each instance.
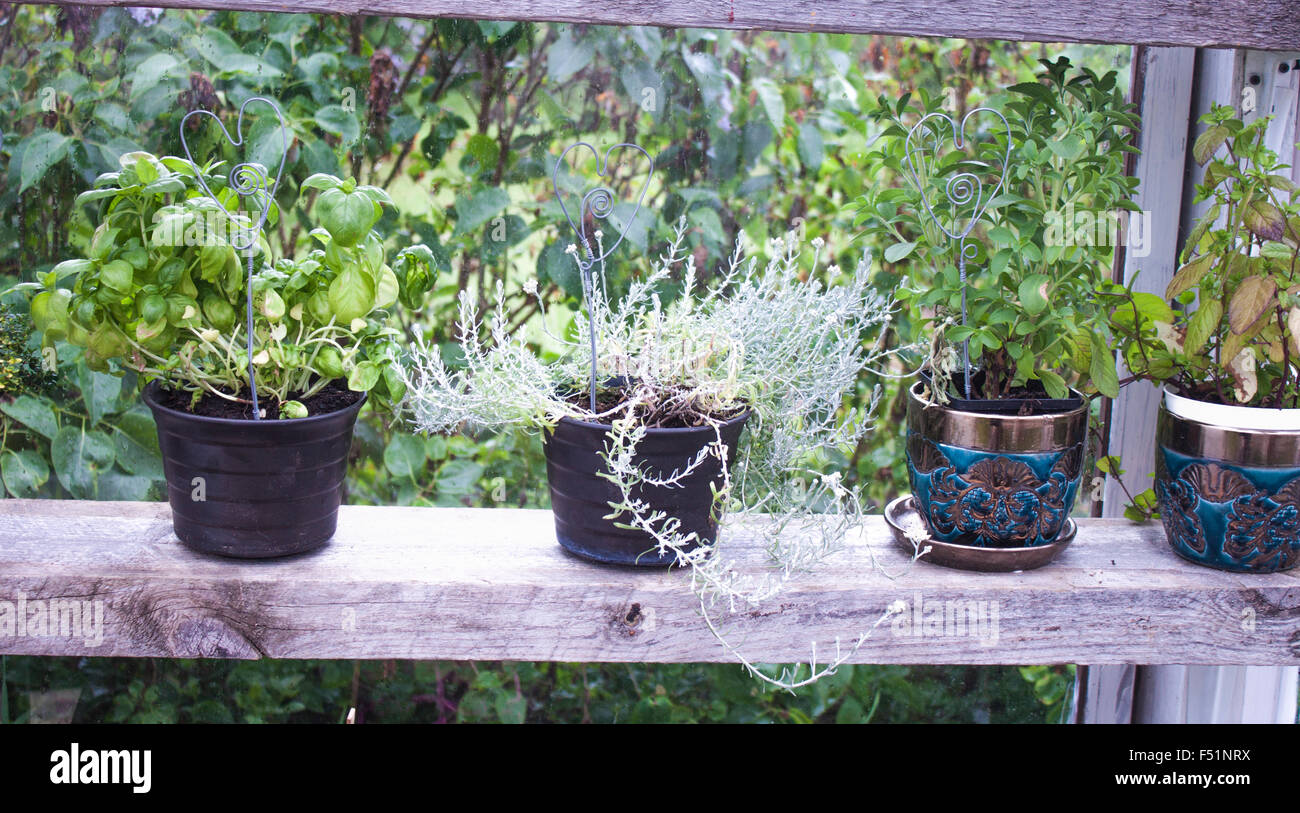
(994, 480)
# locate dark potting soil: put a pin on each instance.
(333, 397)
(685, 417)
(1031, 399)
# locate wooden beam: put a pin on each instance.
(492, 584)
(1267, 24)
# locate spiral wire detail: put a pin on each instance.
(247, 180)
(599, 203)
(962, 190)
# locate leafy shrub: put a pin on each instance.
(210, 691)
(84, 434)
(21, 367)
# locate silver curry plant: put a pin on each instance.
(764, 337)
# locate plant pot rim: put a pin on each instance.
(1231, 416)
(1042, 416)
(659, 430)
(152, 388)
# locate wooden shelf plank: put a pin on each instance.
(492, 584)
(1262, 24)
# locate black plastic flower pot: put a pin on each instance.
(581, 497)
(253, 489)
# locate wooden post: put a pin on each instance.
(1162, 89)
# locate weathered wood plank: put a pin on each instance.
(491, 584)
(1266, 24)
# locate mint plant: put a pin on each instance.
(1034, 294)
(162, 292)
(1235, 338)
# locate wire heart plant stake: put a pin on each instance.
(963, 190)
(599, 203)
(247, 180)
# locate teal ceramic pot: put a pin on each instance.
(1228, 484)
(994, 480)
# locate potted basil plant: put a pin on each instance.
(1228, 357)
(161, 293)
(995, 459)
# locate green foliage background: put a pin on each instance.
(460, 122)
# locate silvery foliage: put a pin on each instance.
(759, 337)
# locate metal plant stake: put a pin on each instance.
(599, 203)
(247, 180)
(960, 190)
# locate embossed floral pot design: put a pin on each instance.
(994, 480)
(1228, 484)
(581, 494)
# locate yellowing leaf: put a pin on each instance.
(1253, 297)
(271, 305)
(1275, 354)
(351, 295)
(386, 288)
(1233, 343)
(1189, 275)
(1265, 220)
(1033, 293)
